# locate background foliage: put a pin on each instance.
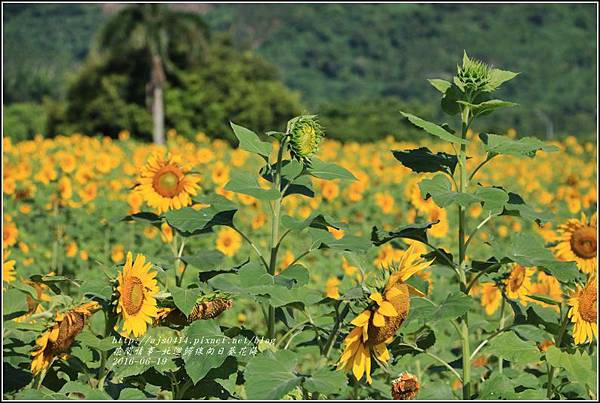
(325, 53)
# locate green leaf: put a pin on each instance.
(297, 274)
(528, 250)
(498, 386)
(198, 366)
(185, 298)
(132, 394)
(434, 129)
(243, 182)
(486, 107)
(325, 380)
(494, 199)
(315, 220)
(14, 303)
(83, 391)
(440, 85)
(416, 231)
(455, 305)
(523, 147)
(270, 376)
(97, 288)
(189, 220)
(440, 189)
(324, 240)
(512, 348)
(87, 338)
(329, 170)
(147, 217)
(498, 77)
(578, 365)
(250, 141)
(517, 207)
(450, 100)
(423, 160)
(204, 261)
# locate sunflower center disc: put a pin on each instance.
(587, 304)
(134, 295)
(518, 279)
(583, 242)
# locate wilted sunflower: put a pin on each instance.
(584, 311)
(207, 307)
(305, 134)
(577, 240)
(376, 326)
(56, 341)
(405, 387)
(136, 290)
(165, 184)
(8, 268)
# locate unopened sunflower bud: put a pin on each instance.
(473, 74)
(405, 387)
(305, 135)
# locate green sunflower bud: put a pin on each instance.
(474, 75)
(305, 134)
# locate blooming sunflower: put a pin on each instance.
(490, 298)
(56, 341)
(228, 241)
(165, 184)
(577, 240)
(136, 290)
(584, 311)
(518, 283)
(8, 268)
(549, 286)
(375, 327)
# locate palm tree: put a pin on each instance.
(167, 39)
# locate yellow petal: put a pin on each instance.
(376, 297)
(387, 309)
(378, 320)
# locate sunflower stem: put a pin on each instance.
(275, 232)
(464, 323)
(558, 342)
(339, 318)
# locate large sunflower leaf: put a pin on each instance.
(250, 141)
(424, 160)
(270, 376)
(433, 129)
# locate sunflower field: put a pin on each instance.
(459, 266)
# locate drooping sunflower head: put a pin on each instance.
(410, 263)
(305, 134)
(518, 284)
(474, 75)
(577, 241)
(166, 184)
(405, 387)
(57, 340)
(377, 325)
(584, 311)
(136, 291)
(207, 306)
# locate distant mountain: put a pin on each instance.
(354, 53)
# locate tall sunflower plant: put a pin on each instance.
(532, 330)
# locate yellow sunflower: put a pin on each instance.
(518, 283)
(376, 326)
(584, 311)
(137, 288)
(56, 341)
(228, 241)
(8, 268)
(548, 286)
(577, 241)
(165, 184)
(490, 298)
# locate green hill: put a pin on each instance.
(352, 60)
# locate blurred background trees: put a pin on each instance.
(87, 66)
